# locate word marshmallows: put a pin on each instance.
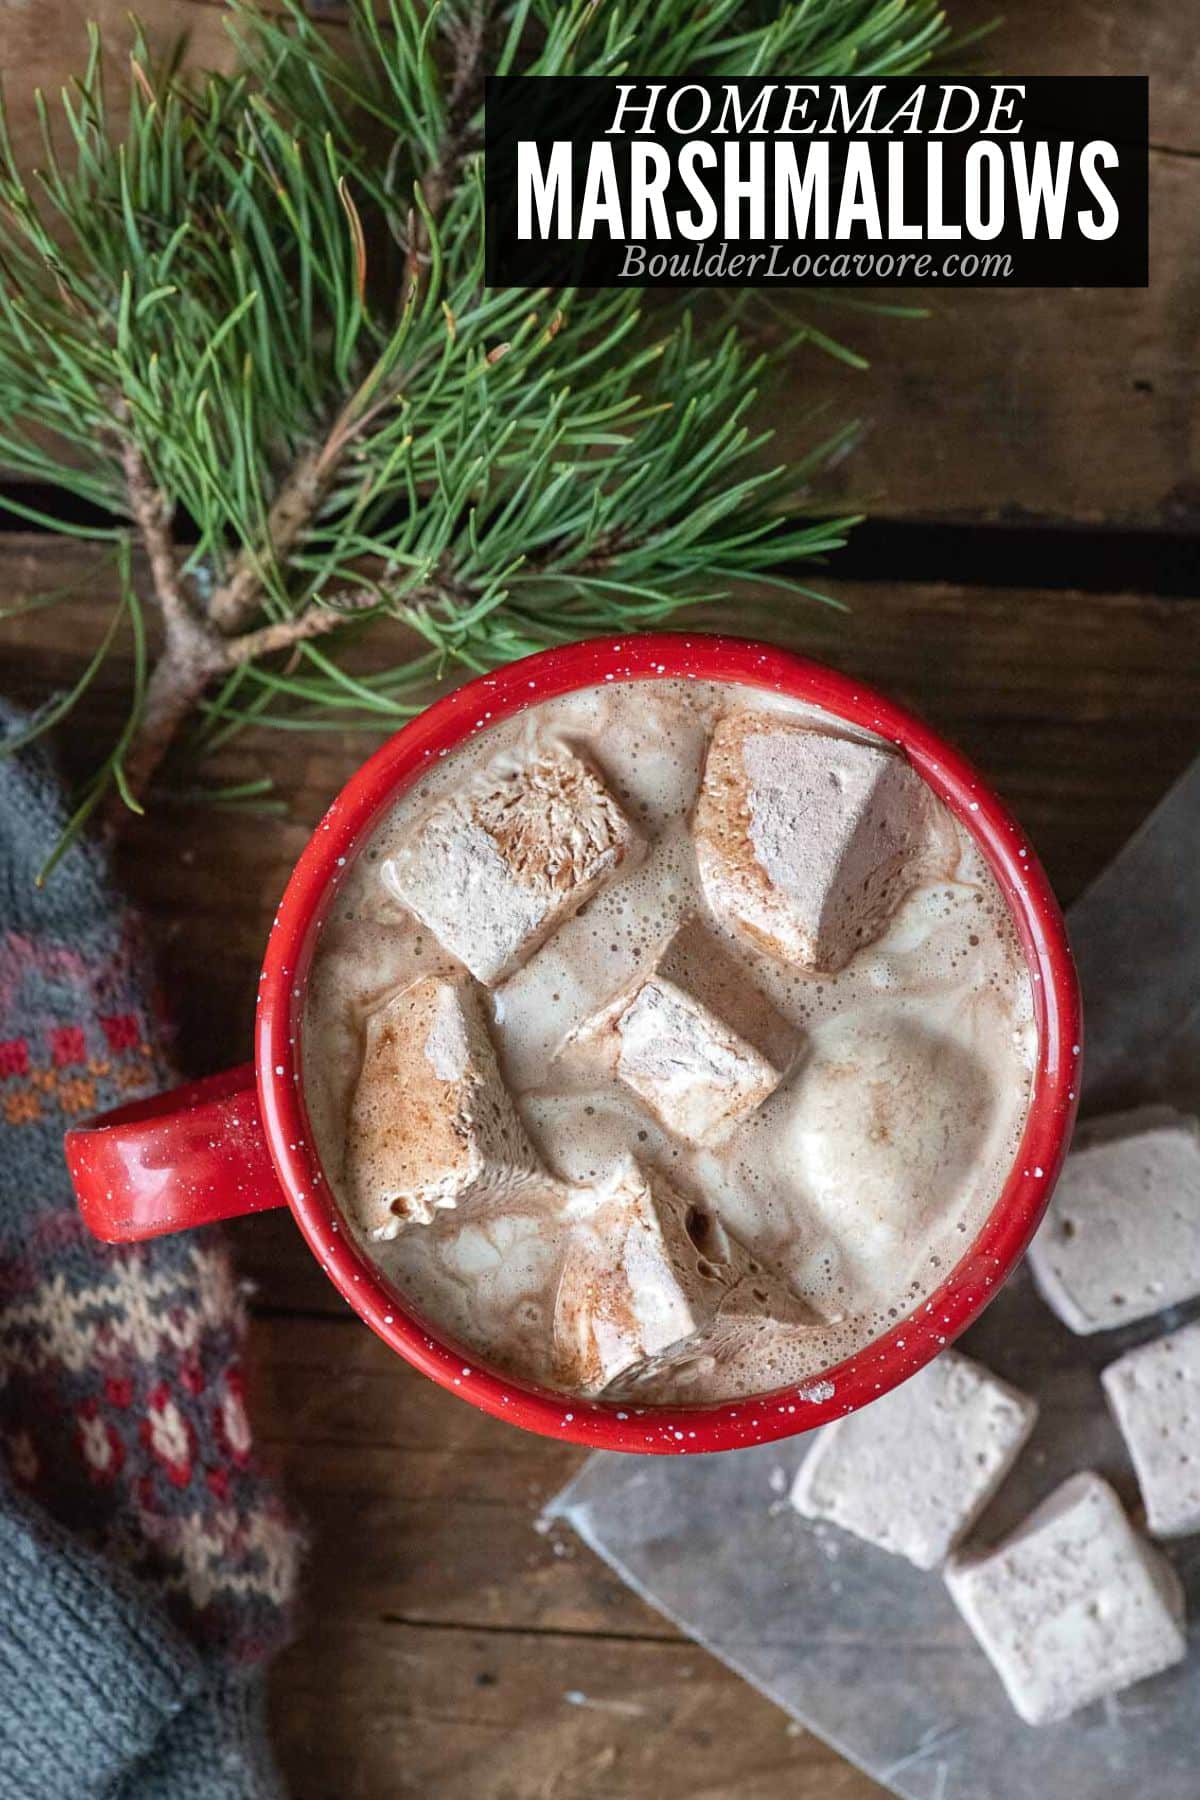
(757, 183)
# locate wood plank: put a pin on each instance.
(1080, 37)
(368, 1709)
(1074, 405)
(450, 1648)
(1081, 708)
(44, 44)
(1077, 405)
(1005, 403)
(451, 1644)
(424, 1509)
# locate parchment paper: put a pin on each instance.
(858, 1646)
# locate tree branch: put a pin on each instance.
(191, 649)
(316, 620)
(152, 518)
(236, 600)
(195, 653)
(204, 642)
(175, 686)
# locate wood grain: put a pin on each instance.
(1076, 406)
(446, 1640)
(449, 1648)
(1058, 405)
(1080, 708)
(438, 1501)
(44, 44)
(1011, 403)
(531, 1716)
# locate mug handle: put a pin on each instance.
(191, 1156)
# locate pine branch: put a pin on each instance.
(291, 513)
(262, 309)
(191, 654)
(317, 620)
(308, 481)
(151, 514)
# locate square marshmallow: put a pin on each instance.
(1121, 1239)
(1154, 1393)
(913, 1471)
(695, 1040)
(648, 1273)
(1073, 1605)
(499, 865)
(808, 841)
(431, 1121)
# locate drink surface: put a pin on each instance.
(854, 1186)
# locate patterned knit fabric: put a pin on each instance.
(145, 1564)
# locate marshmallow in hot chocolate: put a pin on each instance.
(504, 860)
(432, 1123)
(652, 1275)
(694, 1039)
(807, 842)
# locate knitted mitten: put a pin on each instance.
(145, 1564)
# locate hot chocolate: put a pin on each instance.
(667, 1041)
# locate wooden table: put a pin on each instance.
(450, 1650)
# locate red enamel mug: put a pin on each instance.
(240, 1142)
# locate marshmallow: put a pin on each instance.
(807, 842)
(1073, 1605)
(1154, 1392)
(695, 1040)
(647, 1275)
(913, 1471)
(431, 1122)
(1121, 1239)
(500, 864)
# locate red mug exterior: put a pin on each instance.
(241, 1142)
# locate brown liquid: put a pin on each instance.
(858, 1183)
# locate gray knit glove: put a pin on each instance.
(146, 1566)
